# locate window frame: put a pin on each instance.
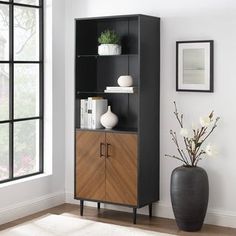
(11, 62)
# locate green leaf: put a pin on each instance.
(109, 37)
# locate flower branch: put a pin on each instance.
(193, 142)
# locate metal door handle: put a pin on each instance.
(108, 144)
(101, 153)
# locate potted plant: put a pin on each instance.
(109, 43)
(189, 183)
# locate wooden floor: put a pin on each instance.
(125, 219)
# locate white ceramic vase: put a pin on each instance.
(109, 119)
(109, 49)
(125, 81)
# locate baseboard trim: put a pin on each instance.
(160, 209)
(26, 208)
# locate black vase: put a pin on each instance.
(189, 197)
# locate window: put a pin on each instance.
(21, 88)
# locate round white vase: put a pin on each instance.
(125, 81)
(109, 49)
(109, 119)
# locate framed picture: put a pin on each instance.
(194, 66)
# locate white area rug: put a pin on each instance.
(57, 225)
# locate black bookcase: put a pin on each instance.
(138, 112)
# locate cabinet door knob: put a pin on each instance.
(108, 145)
(101, 149)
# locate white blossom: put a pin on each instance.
(211, 150)
(194, 126)
(184, 132)
(205, 121)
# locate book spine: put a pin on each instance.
(89, 113)
(85, 114)
(94, 113)
(82, 113)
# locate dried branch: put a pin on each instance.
(175, 140)
(185, 157)
(188, 148)
(175, 157)
(212, 129)
(180, 120)
(192, 145)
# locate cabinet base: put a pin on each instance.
(134, 210)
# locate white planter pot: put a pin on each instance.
(125, 81)
(109, 49)
(109, 119)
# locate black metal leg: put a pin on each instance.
(150, 210)
(98, 205)
(81, 207)
(134, 215)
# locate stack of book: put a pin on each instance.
(117, 89)
(91, 110)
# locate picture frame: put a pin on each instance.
(194, 66)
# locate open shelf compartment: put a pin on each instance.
(125, 106)
(88, 31)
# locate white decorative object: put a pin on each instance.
(119, 89)
(109, 49)
(125, 80)
(109, 119)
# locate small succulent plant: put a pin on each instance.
(109, 37)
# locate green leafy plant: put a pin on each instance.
(109, 37)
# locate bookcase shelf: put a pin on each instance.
(103, 56)
(123, 162)
(121, 92)
(90, 92)
(115, 130)
(103, 93)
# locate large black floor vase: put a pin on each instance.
(189, 197)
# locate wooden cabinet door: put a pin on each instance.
(90, 165)
(121, 168)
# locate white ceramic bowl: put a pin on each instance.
(125, 80)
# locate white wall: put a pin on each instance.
(180, 20)
(37, 193)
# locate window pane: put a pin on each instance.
(4, 32)
(4, 91)
(31, 2)
(4, 151)
(26, 34)
(26, 147)
(26, 90)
